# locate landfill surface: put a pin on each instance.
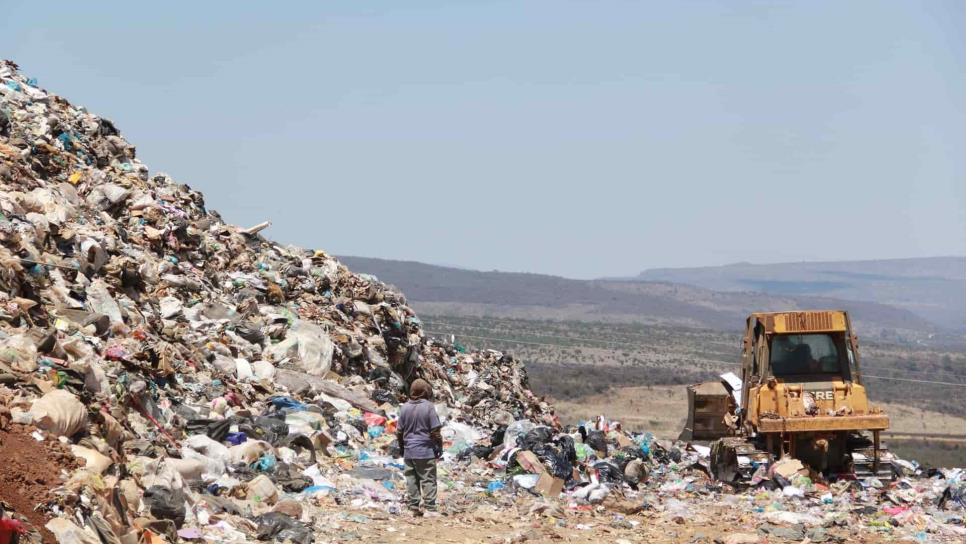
(168, 377)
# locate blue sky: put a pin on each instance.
(582, 139)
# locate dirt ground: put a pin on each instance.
(28, 471)
(582, 527)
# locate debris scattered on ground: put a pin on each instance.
(211, 385)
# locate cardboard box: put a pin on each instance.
(548, 486)
(530, 463)
(625, 442)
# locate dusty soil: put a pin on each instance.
(28, 471)
(510, 527)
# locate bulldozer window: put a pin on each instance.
(805, 354)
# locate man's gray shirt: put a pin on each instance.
(416, 419)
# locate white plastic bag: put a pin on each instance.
(262, 489)
(263, 370)
(19, 352)
(310, 344)
(249, 451)
(100, 301)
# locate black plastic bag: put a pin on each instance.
(301, 535)
(216, 429)
(300, 442)
(555, 460)
(609, 473)
(535, 437)
(164, 503)
(251, 333)
(270, 429)
(597, 441)
(481, 452)
(282, 527)
(290, 478)
(380, 378)
(382, 397)
(498, 435)
(567, 446)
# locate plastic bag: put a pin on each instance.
(164, 503)
(213, 468)
(268, 429)
(481, 452)
(263, 370)
(216, 429)
(290, 478)
(568, 447)
(190, 468)
(555, 460)
(374, 420)
(281, 528)
(59, 413)
(515, 430)
(609, 473)
(535, 437)
(208, 446)
(583, 451)
(101, 302)
(310, 344)
(19, 352)
(382, 396)
(597, 441)
(248, 452)
(262, 489)
(266, 463)
(287, 402)
(94, 460)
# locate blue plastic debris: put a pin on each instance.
(288, 402)
(266, 463)
(236, 438)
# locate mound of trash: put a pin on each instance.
(167, 346)
(214, 386)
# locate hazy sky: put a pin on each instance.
(575, 138)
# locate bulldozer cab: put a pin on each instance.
(810, 356)
(815, 350)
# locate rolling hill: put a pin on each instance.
(931, 288)
(439, 290)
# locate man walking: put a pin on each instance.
(421, 443)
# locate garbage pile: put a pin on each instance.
(188, 380)
(670, 483)
(189, 361)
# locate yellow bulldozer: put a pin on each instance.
(800, 395)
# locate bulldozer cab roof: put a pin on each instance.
(802, 321)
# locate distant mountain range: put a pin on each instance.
(931, 288)
(439, 290)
